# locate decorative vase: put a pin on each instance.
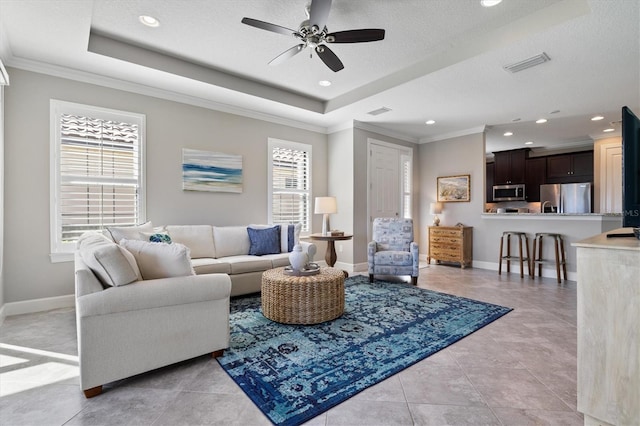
(297, 258)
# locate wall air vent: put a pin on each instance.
(379, 111)
(527, 63)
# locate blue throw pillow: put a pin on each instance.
(264, 241)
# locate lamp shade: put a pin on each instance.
(435, 208)
(326, 205)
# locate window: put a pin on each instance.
(97, 177)
(289, 183)
(405, 164)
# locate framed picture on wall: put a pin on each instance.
(454, 188)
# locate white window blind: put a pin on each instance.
(405, 161)
(290, 187)
(98, 172)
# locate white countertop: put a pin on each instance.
(554, 216)
(618, 243)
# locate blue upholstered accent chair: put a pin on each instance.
(393, 251)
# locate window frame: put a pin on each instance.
(279, 143)
(63, 252)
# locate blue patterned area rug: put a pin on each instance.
(293, 373)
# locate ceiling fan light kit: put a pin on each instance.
(313, 33)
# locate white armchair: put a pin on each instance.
(393, 251)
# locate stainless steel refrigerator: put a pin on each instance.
(565, 198)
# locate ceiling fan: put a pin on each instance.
(313, 33)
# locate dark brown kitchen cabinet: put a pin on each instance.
(509, 166)
(567, 168)
(535, 171)
(489, 182)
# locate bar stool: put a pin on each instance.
(559, 251)
(522, 236)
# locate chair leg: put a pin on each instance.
(526, 241)
(370, 278)
(520, 253)
(414, 280)
(500, 259)
(555, 245)
(217, 354)
(508, 254)
(90, 393)
(564, 261)
(540, 256)
(532, 262)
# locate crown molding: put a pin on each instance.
(466, 132)
(112, 83)
(382, 131)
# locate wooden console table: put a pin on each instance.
(451, 244)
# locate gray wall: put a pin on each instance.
(340, 181)
(1, 199)
(28, 273)
(360, 202)
(456, 156)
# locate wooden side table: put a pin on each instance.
(330, 255)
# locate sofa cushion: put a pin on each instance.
(264, 240)
(231, 241)
(247, 263)
(277, 260)
(112, 264)
(129, 232)
(207, 265)
(160, 260)
(199, 239)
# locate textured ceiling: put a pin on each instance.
(440, 60)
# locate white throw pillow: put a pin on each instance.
(129, 232)
(231, 241)
(160, 260)
(112, 264)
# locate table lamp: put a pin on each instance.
(325, 206)
(435, 209)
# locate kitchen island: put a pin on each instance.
(573, 227)
(609, 329)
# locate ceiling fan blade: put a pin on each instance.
(289, 53)
(329, 58)
(319, 13)
(269, 27)
(356, 36)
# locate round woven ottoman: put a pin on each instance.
(308, 299)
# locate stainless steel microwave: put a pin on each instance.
(508, 193)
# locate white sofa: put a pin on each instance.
(127, 328)
(224, 250)
(143, 305)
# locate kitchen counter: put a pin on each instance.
(556, 216)
(608, 309)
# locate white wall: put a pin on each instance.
(341, 186)
(29, 274)
(456, 156)
(1, 203)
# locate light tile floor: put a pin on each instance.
(519, 370)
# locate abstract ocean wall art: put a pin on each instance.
(211, 171)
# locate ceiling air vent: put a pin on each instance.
(527, 63)
(379, 111)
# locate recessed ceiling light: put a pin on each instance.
(490, 3)
(508, 133)
(324, 83)
(528, 143)
(149, 21)
(609, 130)
(430, 122)
(542, 120)
(597, 118)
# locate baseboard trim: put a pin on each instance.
(37, 305)
(546, 272)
